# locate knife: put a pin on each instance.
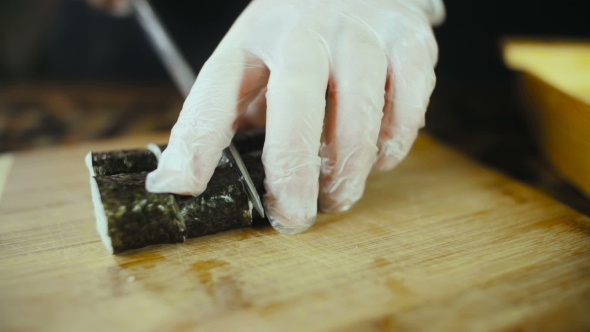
(184, 78)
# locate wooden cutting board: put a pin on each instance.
(440, 243)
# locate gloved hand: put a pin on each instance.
(374, 57)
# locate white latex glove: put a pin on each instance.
(376, 57)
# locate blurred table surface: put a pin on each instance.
(439, 243)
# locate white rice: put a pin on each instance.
(102, 225)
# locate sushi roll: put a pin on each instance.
(129, 217)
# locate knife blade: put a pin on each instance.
(184, 78)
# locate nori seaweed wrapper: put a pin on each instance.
(137, 218)
(123, 162)
(133, 218)
(223, 206)
(144, 160)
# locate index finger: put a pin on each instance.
(207, 123)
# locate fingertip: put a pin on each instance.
(344, 177)
(291, 199)
(290, 225)
(341, 195)
(161, 181)
(394, 150)
(152, 182)
(331, 206)
(383, 166)
(175, 173)
(385, 163)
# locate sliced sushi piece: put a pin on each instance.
(136, 218)
(128, 217)
(223, 206)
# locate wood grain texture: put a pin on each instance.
(439, 243)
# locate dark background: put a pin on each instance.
(69, 40)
